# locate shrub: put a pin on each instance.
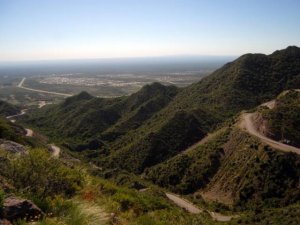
(41, 175)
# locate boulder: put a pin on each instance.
(12, 146)
(15, 208)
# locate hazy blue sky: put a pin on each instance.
(54, 29)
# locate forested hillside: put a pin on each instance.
(158, 122)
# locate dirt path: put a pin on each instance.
(182, 203)
(270, 104)
(42, 104)
(220, 217)
(248, 124)
(20, 85)
(29, 132)
(191, 208)
(17, 115)
(55, 150)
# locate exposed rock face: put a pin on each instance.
(12, 146)
(17, 208)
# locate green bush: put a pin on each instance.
(41, 175)
(138, 202)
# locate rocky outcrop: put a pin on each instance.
(12, 146)
(15, 208)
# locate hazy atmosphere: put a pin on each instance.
(54, 29)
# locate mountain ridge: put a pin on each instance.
(242, 84)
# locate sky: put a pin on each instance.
(74, 29)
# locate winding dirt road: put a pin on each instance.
(248, 124)
(20, 85)
(29, 133)
(13, 117)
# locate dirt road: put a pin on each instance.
(55, 150)
(191, 208)
(21, 82)
(17, 115)
(220, 217)
(182, 203)
(248, 124)
(29, 132)
(20, 85)
(42, 104)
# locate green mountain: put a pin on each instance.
(187, 140)
(159, 121)
(85, 116)
(7, 109)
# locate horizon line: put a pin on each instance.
(117, 58)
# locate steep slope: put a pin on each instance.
(145, 149)
(85, 116)
(11, 132)
(235, 168)
(159, 122)
(7, 109)
(192, 169)
(252, 173)
(282, 122)
(242, 84)
(232, 168)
